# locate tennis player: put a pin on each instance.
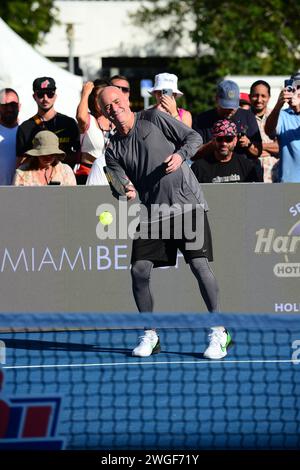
(151, 149)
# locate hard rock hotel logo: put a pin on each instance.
(269, 241)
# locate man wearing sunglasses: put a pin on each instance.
(122, 83)
(285, 125)
(223, 164)
(227, 107)
(47, 118)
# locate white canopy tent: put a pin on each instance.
(20, 64)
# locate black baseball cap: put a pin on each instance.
(43, 83)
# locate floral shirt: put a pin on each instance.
(61, 173)
(268, 162)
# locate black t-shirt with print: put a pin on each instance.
(63, 126)
(244, 120)
(238, 170)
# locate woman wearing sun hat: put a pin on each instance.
(43, 166)
(166, 103)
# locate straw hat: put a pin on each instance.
(45, 143)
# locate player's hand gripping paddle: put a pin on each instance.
(117, 184)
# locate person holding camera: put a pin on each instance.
(227, 107)
(165, 92)
(43, 166)
(285, 124)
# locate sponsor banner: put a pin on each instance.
(29, 422)
(59, 254)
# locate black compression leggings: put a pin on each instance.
(141, 274)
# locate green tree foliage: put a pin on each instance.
(237, 37)
(197, 79)
(31, 19)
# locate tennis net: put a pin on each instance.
(71, 380)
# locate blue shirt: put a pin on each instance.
(288, 133)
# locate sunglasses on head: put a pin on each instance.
(225, 138)
(42, 93)
(125, 89)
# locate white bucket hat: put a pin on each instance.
(166, 80)
(296, 83)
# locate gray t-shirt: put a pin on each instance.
(140, 154)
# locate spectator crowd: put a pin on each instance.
(242, 139)
(162, 154)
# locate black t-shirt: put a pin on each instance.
(238, 170)
(243, 118)
(63, 126)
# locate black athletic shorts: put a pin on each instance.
(163, 252)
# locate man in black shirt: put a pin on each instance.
(65, 127)
(249, 139)
(223, 165)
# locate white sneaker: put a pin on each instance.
(149, 344)
(219, 341)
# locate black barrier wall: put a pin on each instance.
(54, 256)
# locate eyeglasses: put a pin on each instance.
(125, 89)
(49, 93)
(225, 138)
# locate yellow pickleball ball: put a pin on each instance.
(106, 218)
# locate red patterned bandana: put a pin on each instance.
(224, 127)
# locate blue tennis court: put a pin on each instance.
(173, 400)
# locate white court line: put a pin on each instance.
(199, 362)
